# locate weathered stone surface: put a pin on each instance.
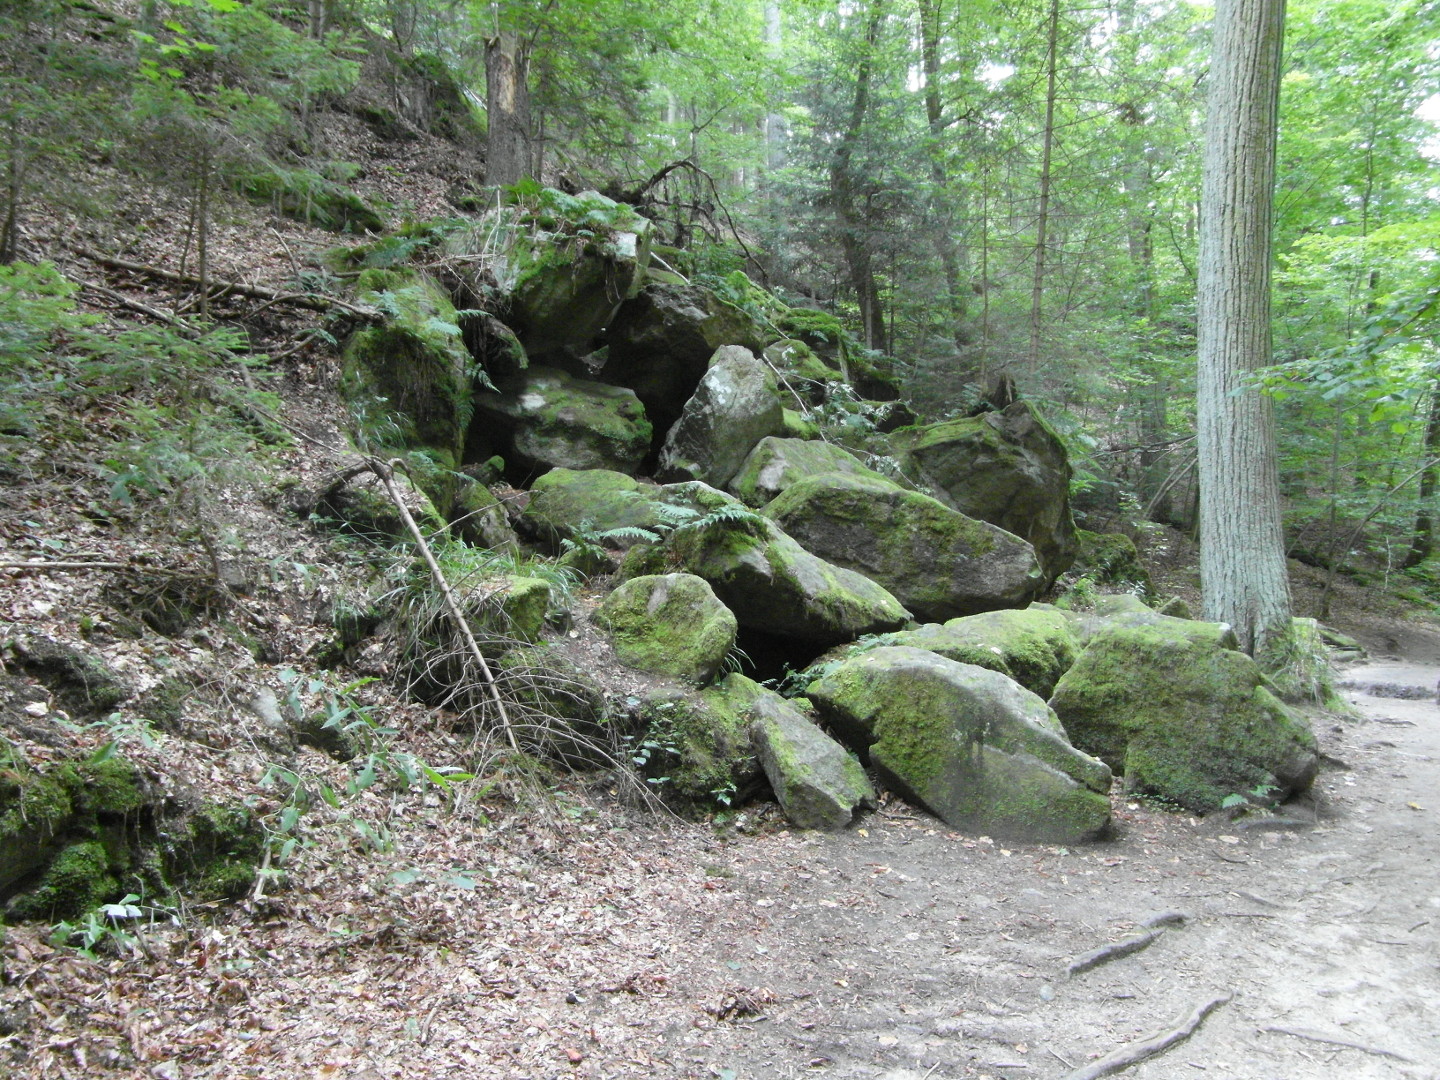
(936, 561)
(776, 463)
(549, 684)
(696, 747)
(733, 408)
(1007, 468)
(1183, 717)
(361, 505)
(564, 289)
(773, 584)
(818, 784)
(1110, 559)
(566, 502)
(670, 624)
(407, 382)
(1033, 647)
(661, 342)
(478, 517)
(553, 420)
(79, 678)
(970, 745)
(510, 606)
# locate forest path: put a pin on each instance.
(911, 953)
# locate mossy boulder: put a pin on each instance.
(671, 625)
(1007, 468)
(735, 405)
(479, 518)
(817, 782)
(408, 382)
(1111, 559)
(773, 584)
(80, 679)
(566, 504)
(562, 707)
(968, 744)
(544, 418)
(936, 561)
(212, 849)
(35, 811)
(78, 879)
(361, 506)
(777, 462)
(512, 607)
(564, 266)
(1033, 647)
(661, 342)
(696, 748)
(1183, 717)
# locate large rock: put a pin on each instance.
(1183, 717)
(733, 408)
(568, 503)
(818, 784)
(660, 344)
(970, 745)
(566, 269)
(777, 463)
(669, 624)
(936, 561)
(1007, 468)
(773, 584)
(1033, 647)
(408, 381)
(553, 420)
(695, 748)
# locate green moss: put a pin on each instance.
(35, 808)
(309, 197)
(669, 624)
(77, 880)
(109, 789)
(704, 758)
(1111, 559)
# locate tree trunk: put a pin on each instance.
(854, 230)
(507, 103)
(1422, 541)
(1042, 223)
(949, 252)
(1242, 554)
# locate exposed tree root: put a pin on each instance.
(1136, 1052)
(1114, 951)
(1330, 1040)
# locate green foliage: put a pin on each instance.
(181, 417)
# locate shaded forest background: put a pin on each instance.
(978, 189)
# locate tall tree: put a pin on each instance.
(1242, 553)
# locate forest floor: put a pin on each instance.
(588, 940)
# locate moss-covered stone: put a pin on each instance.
(969, 744)
(361, 506)
(1008, 468)
(35, 809)
(1183, 717)
(1176, 608)
(1297, 665)
(1111, 559)
(1033, 647)
(80, 679)
(212, 851)
(408, 382)
(779, 463)
(511, 606)
(568, 503)
(669, 625)
(799, 426)
(818, 784)
(936, 561)
(735, 405)
(697, 746)
(479, 518)
(562, 707)
(109, 789)
(552, 420)
(77, 880)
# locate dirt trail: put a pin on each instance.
(910, 952)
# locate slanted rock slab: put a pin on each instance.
(818, 784)
(777, 463)
(669, 624)
(1183, 717)
(734, 407)
(936, 561)
(1033, 646)
(973, 747)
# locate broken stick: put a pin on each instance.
(1330, 1040)
(1136, 1052)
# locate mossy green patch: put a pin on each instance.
(1184, 718)
(701, 756)
(671, 624)
(77, 880)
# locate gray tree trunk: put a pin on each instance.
(1242, 552)
(508, 156)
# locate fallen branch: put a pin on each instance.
(62, 567)
(1330, 1040)
(310, 301)
(1136, 1052)
(1114, 951)
(385, 473)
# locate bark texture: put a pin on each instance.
(507, 103)
(1242, 552)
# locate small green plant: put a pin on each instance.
(111, 927)
(1258, 795)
